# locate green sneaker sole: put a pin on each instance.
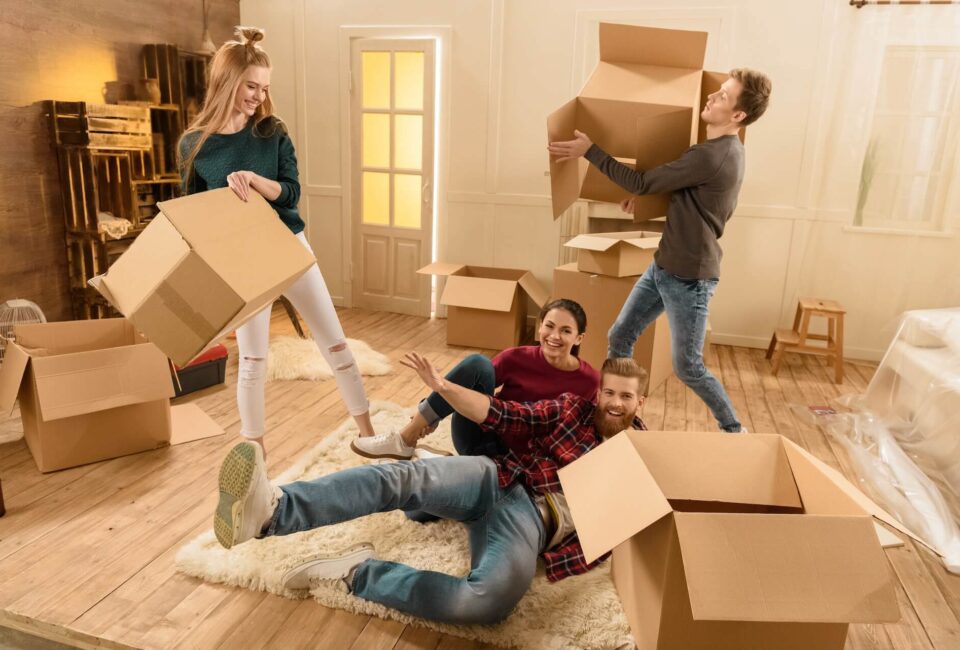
(236, 474)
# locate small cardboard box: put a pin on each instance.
(89, 390)
(641, 105)
(203, 266)
(92, 390)
(487, 306)
(602, 297)
(732, 542)
(618, 254)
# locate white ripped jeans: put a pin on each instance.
(311, 298)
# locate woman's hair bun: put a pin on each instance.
(248, 35)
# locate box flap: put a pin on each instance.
(824, 490)
(479, 293)
(675, 48)
(605, 241)
(242, 241)
(63, 337)
(11, 374)
(441, 268)
(802, 568)
(534, 289)
(84, 382)
(691, 466)
(143, 266)
(566, 177)
(612, 495)
(188, 422)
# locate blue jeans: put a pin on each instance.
(474, 372)
(505, 530)
(686, 303)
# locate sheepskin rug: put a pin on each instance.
(292, 357)
(579, 612)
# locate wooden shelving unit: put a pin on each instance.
(120, 159)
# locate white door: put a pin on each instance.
(392, 142)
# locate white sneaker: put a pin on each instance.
(334, 568)
(424, 452)
(247, 500)
(385, 445)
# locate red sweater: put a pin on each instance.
(525, 376)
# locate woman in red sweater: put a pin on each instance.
(524, 374)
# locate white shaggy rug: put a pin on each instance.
(292, 357)
(579, 612)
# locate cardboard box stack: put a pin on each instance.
(486, 306)
(203, 266)
(641, 105)
(92, 390)
(731, 542)
(607, 267)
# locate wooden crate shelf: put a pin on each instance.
(104, 126)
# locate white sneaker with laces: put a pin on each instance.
(424, 452)
(247, 499)
(385, 445)
(332, 568)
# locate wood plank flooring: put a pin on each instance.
(86, 554)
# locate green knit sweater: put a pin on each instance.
(272, 157)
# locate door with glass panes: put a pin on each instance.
(392, 122)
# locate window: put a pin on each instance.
(909, 165)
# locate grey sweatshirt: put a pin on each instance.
(705, 182)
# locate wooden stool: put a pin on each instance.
(795, 340)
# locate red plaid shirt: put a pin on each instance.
(555, 433)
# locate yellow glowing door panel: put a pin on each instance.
(393, 115)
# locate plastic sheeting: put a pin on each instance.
(903, 434)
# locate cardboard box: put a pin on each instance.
(92, 390)
(203, 266)
(486, 306)
(618, 254)
(726, 541)
(641, 105)
(602, 296)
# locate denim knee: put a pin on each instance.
(483, 367)
(689, 369)
(485, 604)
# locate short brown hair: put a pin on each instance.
(625, 367)
(755, 93)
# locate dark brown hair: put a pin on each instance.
(755, 93)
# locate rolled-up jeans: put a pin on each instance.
(686, 303)
(475, 372)
(505, 530)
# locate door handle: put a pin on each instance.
(426, 192)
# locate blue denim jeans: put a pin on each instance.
(686, 303)
(504, 526)
(474, 372)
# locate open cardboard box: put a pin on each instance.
(602, 297)
(204, 265)
(641, 105)
(731, 541)
(618, 254)
(92, 390)
(486, 306)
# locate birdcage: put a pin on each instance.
(16, 312)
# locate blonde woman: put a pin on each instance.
(236, 141)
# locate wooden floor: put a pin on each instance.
(86, 554)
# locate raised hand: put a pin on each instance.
(428, 374)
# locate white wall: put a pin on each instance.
(514, 61)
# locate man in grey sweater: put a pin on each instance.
(704, 182)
